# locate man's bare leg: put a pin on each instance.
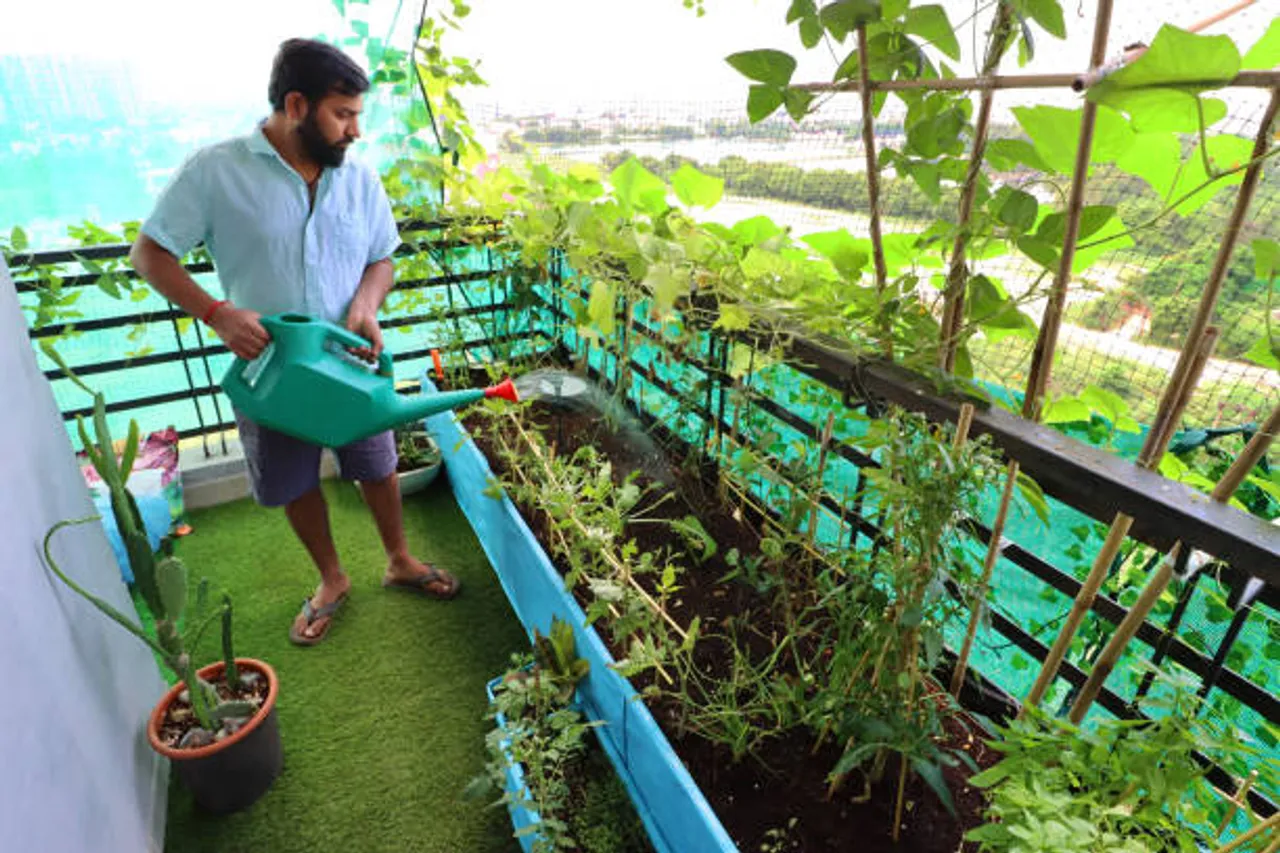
(309, 516)
(383, 498)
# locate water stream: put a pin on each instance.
(567, 391)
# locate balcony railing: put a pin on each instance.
(460, 300)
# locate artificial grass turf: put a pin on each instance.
(383, 723)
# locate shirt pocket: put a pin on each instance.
(344, 246)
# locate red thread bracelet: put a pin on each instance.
(213, 309)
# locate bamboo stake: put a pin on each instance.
(1200, 339)
(963, 424)
(953, 306)
(1268, 824)
(873, 184)
(610, 558)
(1004, 82)
(823, 445)
(1152, 450)
(1047, 340)
(1159, 582)
(1234, 804)
(988, 566)
(1273, 846)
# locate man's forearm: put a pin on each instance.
(166, 274)
(375, 284)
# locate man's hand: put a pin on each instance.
(365, 324)
(240, 330)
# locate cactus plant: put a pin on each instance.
(162, 582)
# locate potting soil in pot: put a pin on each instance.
(180, 722)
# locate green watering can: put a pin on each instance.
(306, 384)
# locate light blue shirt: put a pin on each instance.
(273, 253)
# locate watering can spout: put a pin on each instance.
(425, 405)
(504, 390)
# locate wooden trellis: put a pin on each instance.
(1200, 337)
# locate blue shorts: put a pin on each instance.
(283, 468)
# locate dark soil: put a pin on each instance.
(180, 719)
(784, 784)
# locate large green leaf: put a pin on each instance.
(844, 16)
(1159, 90)
(756, 230)
(842, 249)
(1048, 14)
(806, 12)
(797, 102)
(990, 307)
(764, 66)
(1055, 132)
(1177, 58)
(1066, 410)
(931, 24)
(696, 189)
(636, 186)
(1093, 217)
(1017, 209)
(1265, 53)
(1156, 158)
(763, 101)
(801, 9)
(1005, 154)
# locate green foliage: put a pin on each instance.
(1132, 786)
(543, 734)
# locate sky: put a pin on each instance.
(556, 54)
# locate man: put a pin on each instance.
(292, 225)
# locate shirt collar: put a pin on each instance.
(258, 143)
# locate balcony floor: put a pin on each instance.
(383, 723)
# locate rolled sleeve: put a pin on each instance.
(180, 219)
(384, 236)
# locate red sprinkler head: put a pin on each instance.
(506, 390)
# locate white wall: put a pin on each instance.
(76, 773)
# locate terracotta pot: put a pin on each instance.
(232, 773)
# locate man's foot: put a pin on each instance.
(313, 622)
(415, 576)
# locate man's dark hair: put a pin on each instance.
(313, 69)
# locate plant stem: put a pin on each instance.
(111, 612)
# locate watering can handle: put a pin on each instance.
(351, 339)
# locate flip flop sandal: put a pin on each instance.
(422, 584)
(312, 613)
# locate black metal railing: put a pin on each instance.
(197, 353)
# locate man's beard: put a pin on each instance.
(317, 147)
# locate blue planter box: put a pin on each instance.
(675, 813)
